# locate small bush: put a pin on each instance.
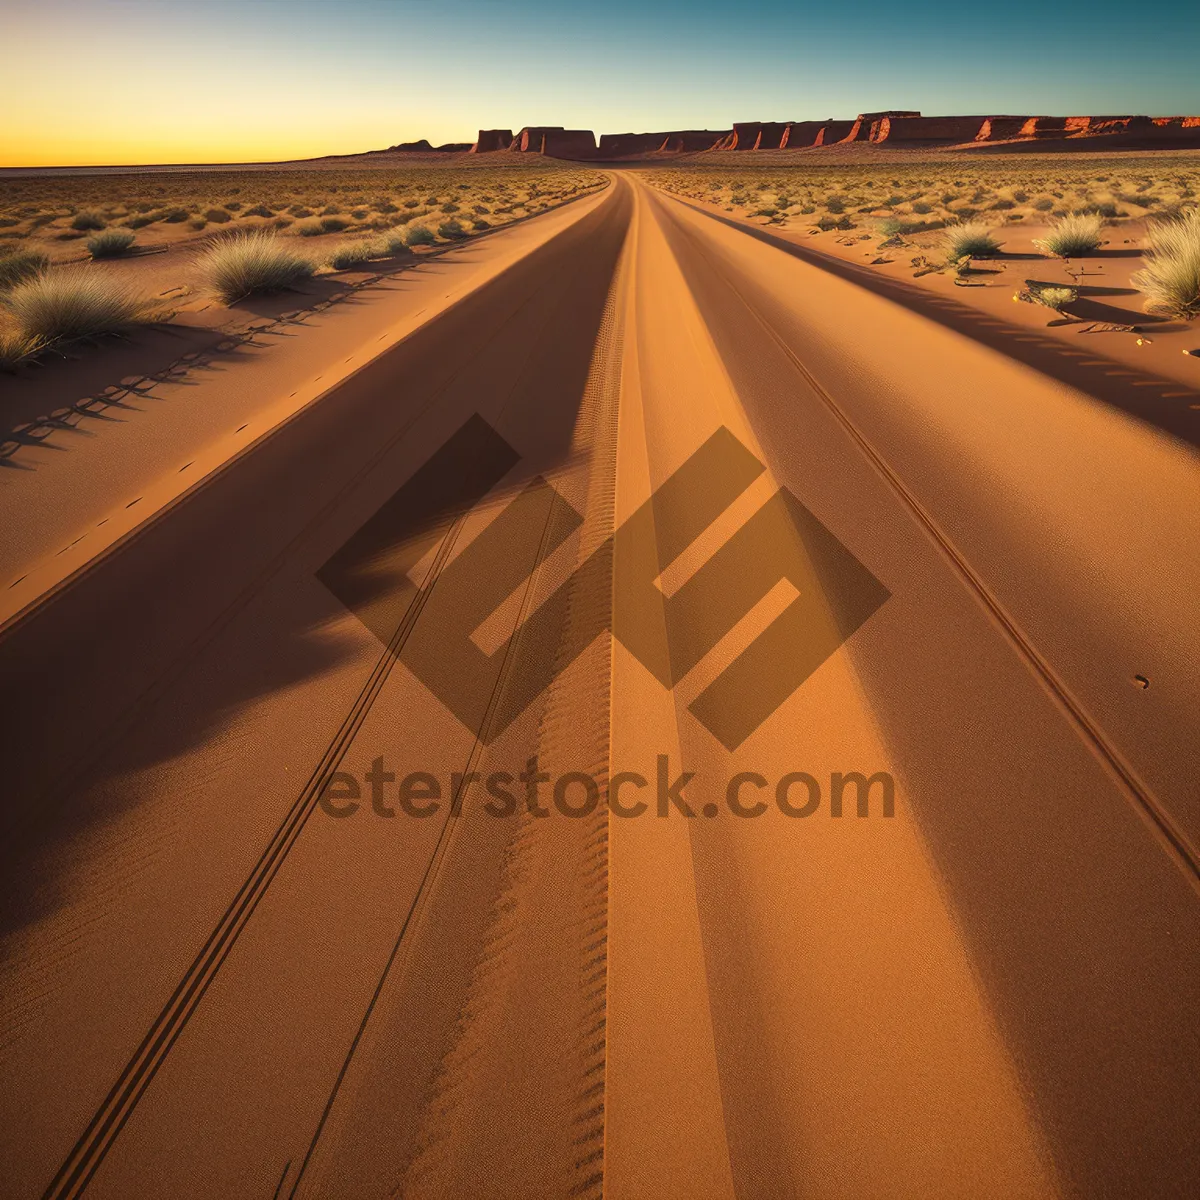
(1072, 236)
(76, 302)
(354, 254)
(333, 224)
(259, 210)
(451, 230)
(419, 235)
(197, 223)
(298, 210)
(140, 221)
(252, 262)
(1056, 298)
(218, 216)
(449, 207)
(1170, 280)
(175, 216)
(85, 221)
(110, 243)
(16, 348)
(396, 245)
(970, 240)
(24, 264)
(480, 224)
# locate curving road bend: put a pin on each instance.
(656, 501)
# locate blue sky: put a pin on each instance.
(181, 80)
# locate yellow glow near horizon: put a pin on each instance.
(103, 104)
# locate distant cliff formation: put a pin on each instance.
(899, 128)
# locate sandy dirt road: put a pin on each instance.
(311, 887)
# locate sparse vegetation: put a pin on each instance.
(239, 266)
(354, 254)
(110, 243)
(418, 235)
(85, 221)
(972, 239)
(1072, 236)
(75, 302)
(1170, 280)
(16, 348)
(19, 265)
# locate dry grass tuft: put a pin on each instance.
(970, 240)
(1170, 280)
(236, 267)
(76, 302)
(23, 264)
(1072, 236)
(110, 243)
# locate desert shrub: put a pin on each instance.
(970, 240)
(1045, 204)
(16, 348)
(24, 264)
(76, 302)
(197, 223)
(233, 205)
(333, 224)
(479, 223)
(412, 204)
(764, 212)
(1170, 280)
(218, 216)
(310, 229)
(449, 207)
(259, 210)
(418, 235)
(1072, 235)
(451, 230)
(298, 210)
(1055, 297)
(396, 245)
(140, 221)
(1003, 205)
(835, 204)
(85, 221)
(359, 214)
(921, 207)
(174, 216)
(252, 262)
(110, 243)
(354, 254)
(331, 210)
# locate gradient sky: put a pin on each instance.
(176, 81)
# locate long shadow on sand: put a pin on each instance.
(1125, 388)
(149, 654)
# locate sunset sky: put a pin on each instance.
(178, 81)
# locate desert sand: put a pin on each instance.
(214, 987)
